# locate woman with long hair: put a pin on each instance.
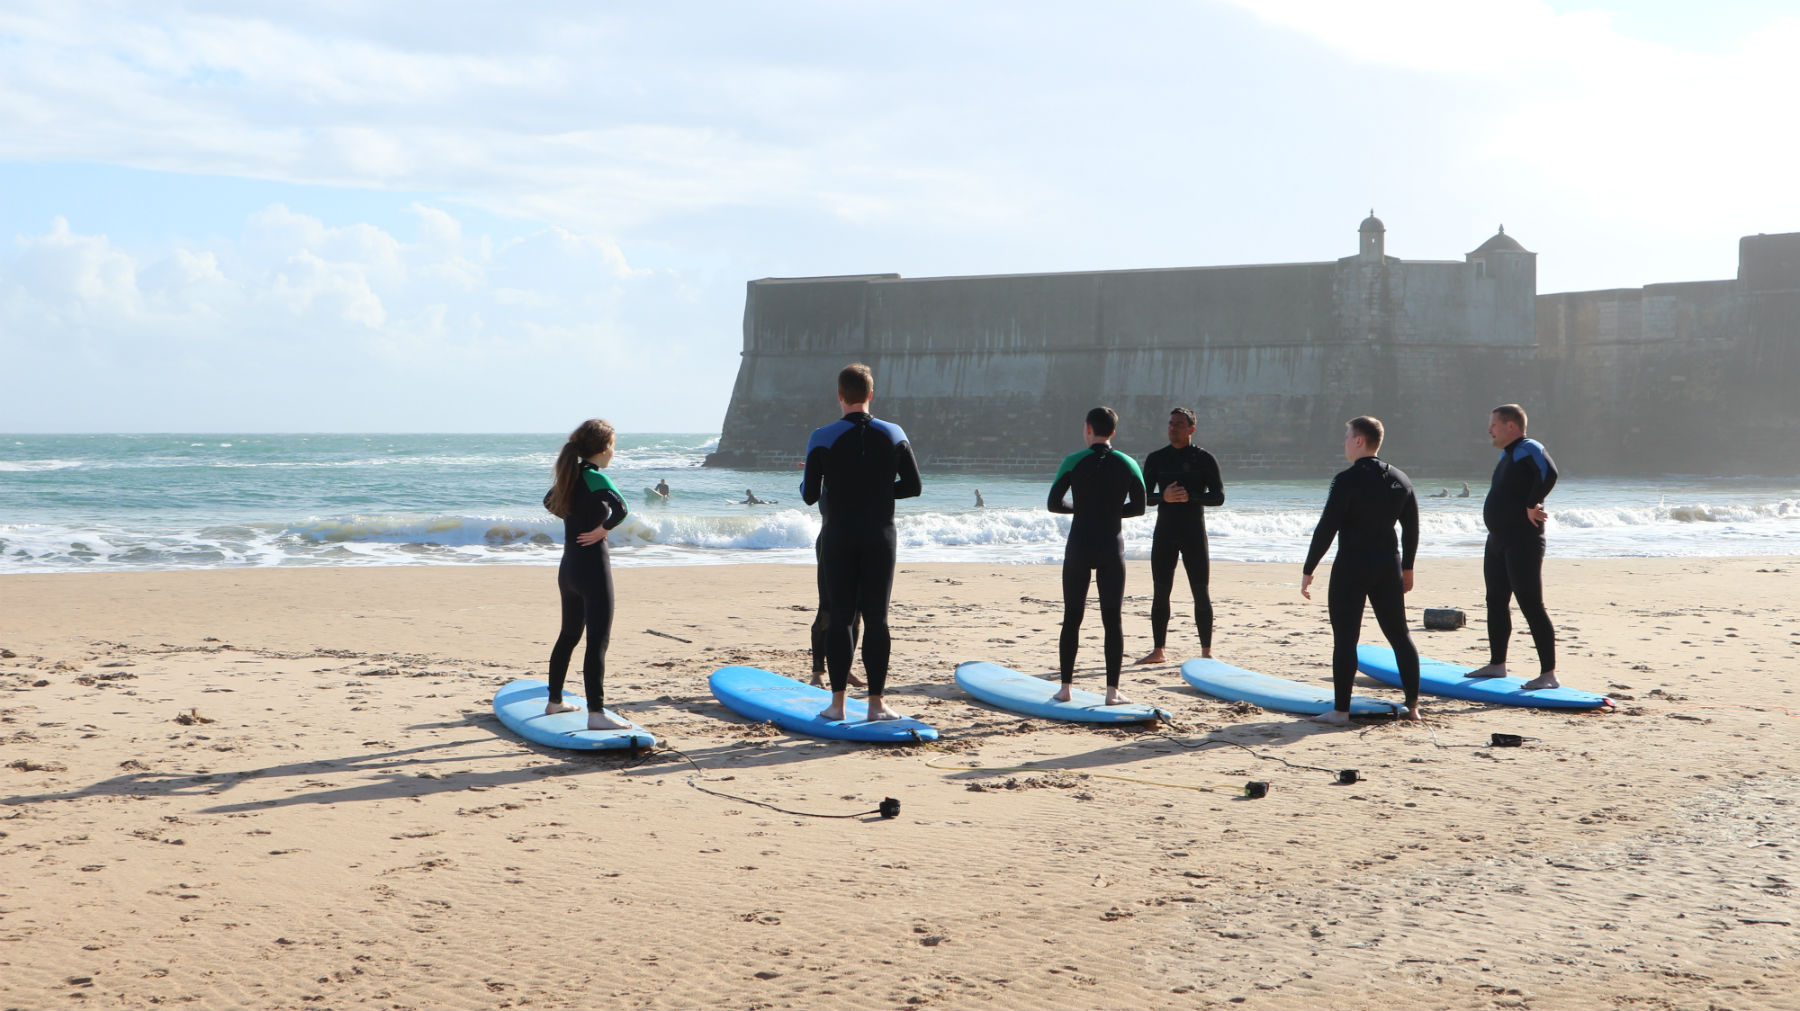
(590, 506)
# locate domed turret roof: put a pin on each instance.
(1372, 223)
(1501, 242)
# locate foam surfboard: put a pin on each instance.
(520, 706)
(763, 695)
(1235, 684)
(1452, 681)
(1022, 693)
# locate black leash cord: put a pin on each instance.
(759, 803)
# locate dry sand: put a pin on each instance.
(285, 788)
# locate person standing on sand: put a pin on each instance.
(855, 468)
(1366, 500)
(1513, 565)
(1108, 488)
(590, 507)
(1182, 480)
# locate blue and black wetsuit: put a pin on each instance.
(855, 468)
(1108, 487)
(585, 582)
(1181, 533)
(1366, 500)
(1514, 561)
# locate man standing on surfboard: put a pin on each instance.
(1108, 487)
(855, 468)
(1513, 565)
(1366, 500)
(1182, 480)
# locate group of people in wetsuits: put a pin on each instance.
(858, 466)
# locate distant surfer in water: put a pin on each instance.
(662, 487)
(979, 504)
(1108, 487)
(1366, 500)
(1513, 566)
(1465, 492)
(751, 499)
(855, 468)
(590, 507)
(1441, 493)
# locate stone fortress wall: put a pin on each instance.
(997, 372)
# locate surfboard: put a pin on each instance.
(763, 695)
(1022, 693)
(1235, 684)
(1452, 681)
(520, 706)
(654, 497)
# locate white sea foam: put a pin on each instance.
(29, 466)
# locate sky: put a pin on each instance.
(459, 217)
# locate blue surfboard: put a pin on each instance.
(1235, 684)
(520, 706)
(768, 697)
(1022, 693)
(1452, 681)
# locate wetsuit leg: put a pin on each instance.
(1076, 574)
(821, 626)
(1164, 549)
(597, 615)
(1349, 588)
(573, 620)
(841, 570)
(1387, 598)
(873, 589)
(1499, 599)
(1109, 577)
(1525, 573)
(1194, 558)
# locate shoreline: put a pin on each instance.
(340, 820)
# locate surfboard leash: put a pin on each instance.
(1246, 789)
(889, 807)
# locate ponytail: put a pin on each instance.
(590, 437)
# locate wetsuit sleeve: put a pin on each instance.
(1065, 476)
(1409, 529)
(606, 495)
(1153, 481)
(1336, 502)
(1542, 472)
(906, 472)
(1212, 487)
(813, 479)
(1134, 488)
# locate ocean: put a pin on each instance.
(83, 503)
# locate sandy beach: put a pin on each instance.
(285, 788)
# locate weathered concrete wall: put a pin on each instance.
(998, 371)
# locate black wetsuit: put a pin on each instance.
(821, 626)
(585, 582)
(1108, 488)
(1181, 533)
(855, 468)
(1366, 500)
(1514, 561)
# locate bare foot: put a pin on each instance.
(1064, 694)
(833, 713)
(1154, 656)
(878, 710)
(1206, 652)
(552, 708)
(604, 720)
(1542, 681)
(1113, 698)
(1493, 670)
(856, 682)
(818, 679)
(1333, 718)
(1412, 715)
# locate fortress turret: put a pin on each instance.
(1374, 238)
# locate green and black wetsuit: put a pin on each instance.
(584, 581)
(1108, 487)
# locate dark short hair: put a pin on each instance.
(1188, 413)
(1513, 413)
(1370, 429)
(1104, 421)
(856, 384)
